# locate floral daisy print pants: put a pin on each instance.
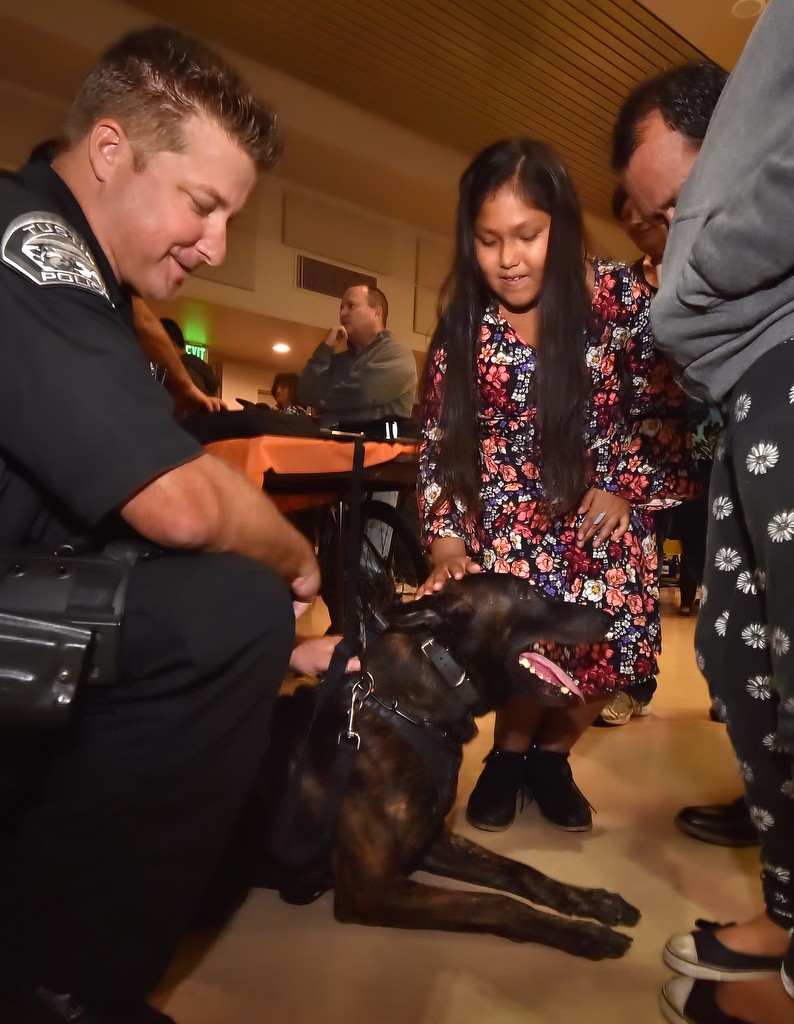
(746, 623)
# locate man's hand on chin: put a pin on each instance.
(336, 336)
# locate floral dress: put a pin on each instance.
(637, 448)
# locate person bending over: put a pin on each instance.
(136, 800)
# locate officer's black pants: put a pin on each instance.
(106, 870)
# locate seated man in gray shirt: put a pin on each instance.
(374, 377)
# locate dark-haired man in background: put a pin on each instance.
(105, 868)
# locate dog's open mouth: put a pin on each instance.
(553, 685)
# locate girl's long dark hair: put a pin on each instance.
(536, 174)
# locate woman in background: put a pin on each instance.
(285, 392)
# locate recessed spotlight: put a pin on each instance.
(281, 346)
(748, 8)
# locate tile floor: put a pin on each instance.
(277, 964)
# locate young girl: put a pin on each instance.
(550, 426)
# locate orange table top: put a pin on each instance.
(254, 456)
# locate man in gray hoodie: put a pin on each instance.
(656, 140)
(724, 317)
(373, 377)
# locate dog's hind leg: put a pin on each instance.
(398, 902)
(452, 856)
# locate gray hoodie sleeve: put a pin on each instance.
(727, 293)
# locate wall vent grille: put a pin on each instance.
(326, 278)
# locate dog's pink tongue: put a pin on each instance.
(549, 672)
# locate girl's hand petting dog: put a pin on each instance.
(450, 561)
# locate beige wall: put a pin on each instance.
(351, 145)
(244, 380)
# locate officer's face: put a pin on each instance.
(658, 168)
(167, 219)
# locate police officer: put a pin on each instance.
(105, 870)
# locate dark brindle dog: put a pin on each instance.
(402, 785)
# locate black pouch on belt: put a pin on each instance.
(60, 625)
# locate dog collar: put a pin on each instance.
(449, 670)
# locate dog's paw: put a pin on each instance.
(600, 904)
(610, 908)
(594, 942)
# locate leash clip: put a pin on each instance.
(358, 694)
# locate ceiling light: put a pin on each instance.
(281, 346)
(748, 8)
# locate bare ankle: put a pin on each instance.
(759, 936)
(758, 1002)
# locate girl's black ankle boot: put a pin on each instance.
(549, 779)
(492, 804)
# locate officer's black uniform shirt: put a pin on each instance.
(83, 426)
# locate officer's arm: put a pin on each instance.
(205, 504)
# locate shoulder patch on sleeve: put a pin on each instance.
(47, 250)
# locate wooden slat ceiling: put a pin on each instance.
(461, 72)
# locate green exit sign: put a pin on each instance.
(197, 350)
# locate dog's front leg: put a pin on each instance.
(452, 856)
(405, 903)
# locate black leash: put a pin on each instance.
(431, 743)
(284, 843)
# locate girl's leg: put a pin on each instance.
(516, 725)
(560, 728)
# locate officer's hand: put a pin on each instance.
(335, 336)
(312, 657)
(305, 584)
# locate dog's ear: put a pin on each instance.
(430, 612)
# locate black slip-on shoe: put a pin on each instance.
(700, 954)
(686, 1001)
